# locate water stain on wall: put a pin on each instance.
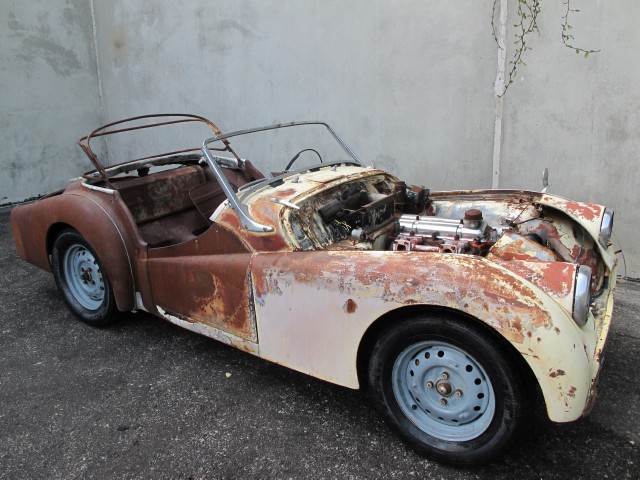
(37, 42)
(62, 60)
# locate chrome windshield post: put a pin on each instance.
(343, 144)
(241, 210)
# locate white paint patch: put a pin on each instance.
(219, 210)
(98, 189)
(139, 303)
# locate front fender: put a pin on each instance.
(93, 219)
(313, 309)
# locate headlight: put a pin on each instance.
(582, 295)
(606, 228)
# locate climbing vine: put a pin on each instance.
(567, 38)
(526, 24)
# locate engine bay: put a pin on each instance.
(381, 213)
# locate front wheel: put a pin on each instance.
(82, 280)
(451, 389)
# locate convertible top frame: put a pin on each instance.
(161, 120)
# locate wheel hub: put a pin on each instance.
(86, 275)
(444, 388)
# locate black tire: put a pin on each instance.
(487, 398)
(82, 281)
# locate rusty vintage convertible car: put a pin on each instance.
(453, 308)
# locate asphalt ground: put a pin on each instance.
(146, 399)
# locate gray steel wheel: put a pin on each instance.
(443, 390)
(451, 387)
(84, 276)
(82, 280)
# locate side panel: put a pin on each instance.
(204, 284)
(212, 290)
(94, 219)
(313, 308)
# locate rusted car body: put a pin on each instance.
(316, 268)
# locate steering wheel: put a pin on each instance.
(295, 157)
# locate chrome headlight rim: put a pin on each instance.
(606, 227)
(582, 295)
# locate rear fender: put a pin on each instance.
(34, 224)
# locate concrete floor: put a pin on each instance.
(145, 399)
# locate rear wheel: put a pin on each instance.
(450, 389)
(82, 280)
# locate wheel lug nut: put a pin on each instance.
(458, 392)
(429, 384)
(443, 401)
(444, 375)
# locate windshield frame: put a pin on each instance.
(237, 205)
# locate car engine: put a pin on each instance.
(424, 233)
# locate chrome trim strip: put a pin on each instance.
(98, 189)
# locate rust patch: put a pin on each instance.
(557, 373)
(268, 243)
(350, 306)
(588, 211)
(555, 278)
(568, 242)
(211, 289)
(517, 324)
(517, 247)
(287, 192)
(258, 242)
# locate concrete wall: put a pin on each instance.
(48, 94)
(581, 117)
(410, 84)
